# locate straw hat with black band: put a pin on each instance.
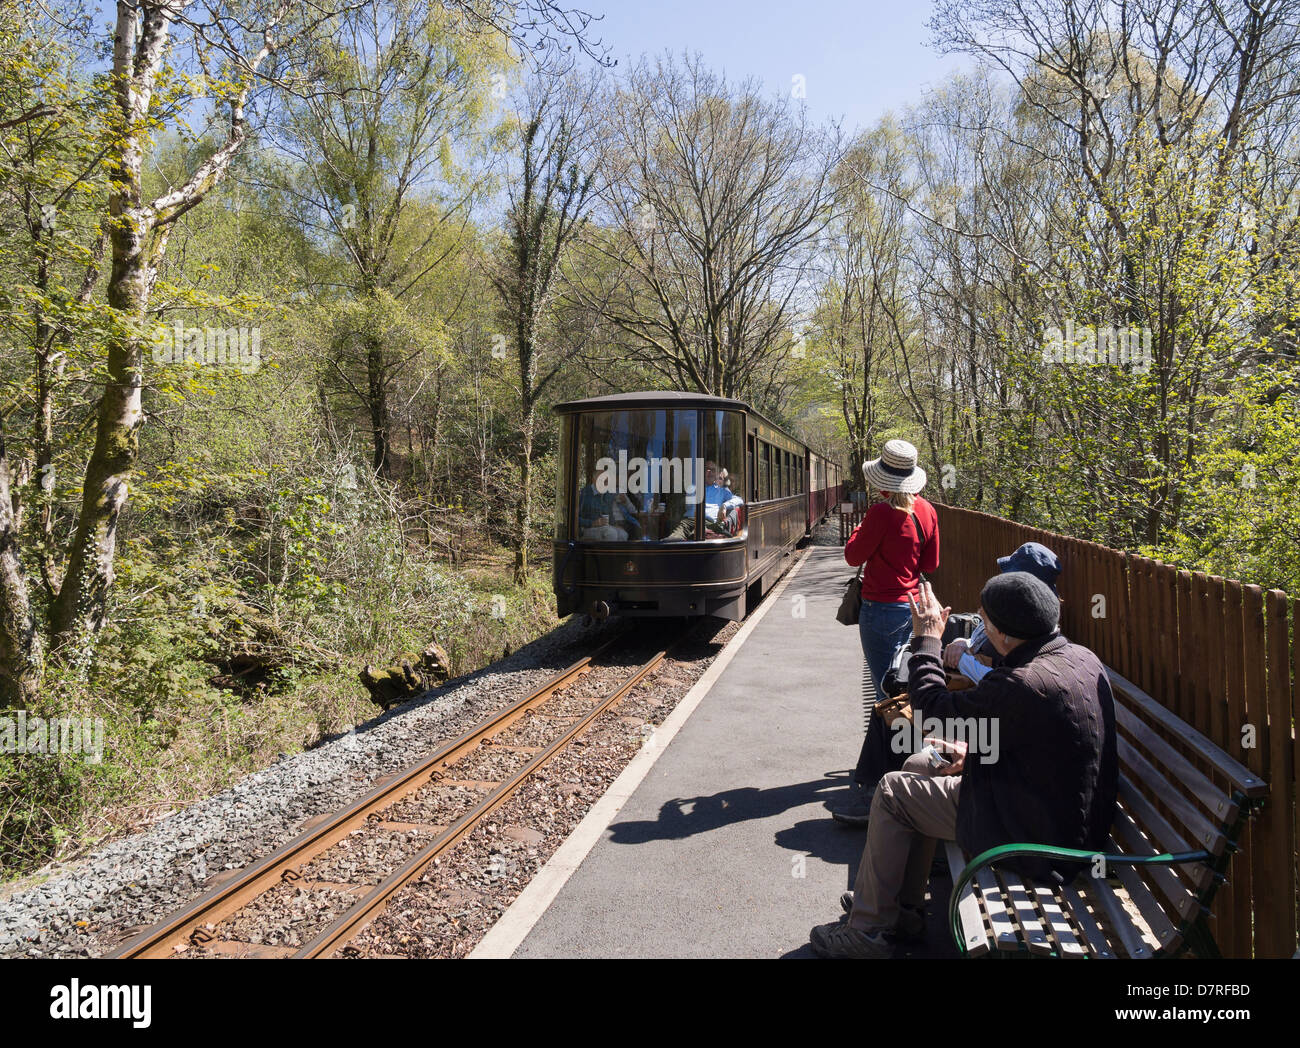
(895, 470)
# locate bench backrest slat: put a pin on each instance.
(1158, 829)
(1233, 770)
(1204, 833)
(1216, 801)
(1156, 825)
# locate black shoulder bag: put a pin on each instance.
(851, 602)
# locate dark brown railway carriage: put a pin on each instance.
(646, 524)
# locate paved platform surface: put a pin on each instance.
(726, 848)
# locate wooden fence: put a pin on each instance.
(1218, 653)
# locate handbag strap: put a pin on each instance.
(916, 523)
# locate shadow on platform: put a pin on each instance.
(686, 816)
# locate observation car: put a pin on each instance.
(679, 504)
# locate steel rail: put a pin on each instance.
(187, 925)
(348, 924)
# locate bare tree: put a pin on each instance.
(867, 284)
(555, 133)
(714, 202)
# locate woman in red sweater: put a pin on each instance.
(897, 540)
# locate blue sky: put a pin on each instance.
(859, 60)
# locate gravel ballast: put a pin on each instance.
(88, 908)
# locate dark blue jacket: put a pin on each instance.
(1057, 769)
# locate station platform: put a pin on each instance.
(725, 846)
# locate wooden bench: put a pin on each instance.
(1171, 843)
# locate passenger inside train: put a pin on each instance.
(721, 504)
(606, 516)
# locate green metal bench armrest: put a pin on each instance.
(1047, 851)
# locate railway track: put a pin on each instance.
(203, 927)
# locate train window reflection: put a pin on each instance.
(639, 476)
(562, 489)
(724, 475)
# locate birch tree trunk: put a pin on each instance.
(20, 646)
(138, 232)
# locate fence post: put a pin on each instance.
(1275, 841)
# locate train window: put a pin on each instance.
(724, 474)
(785, 473)
(764, 470)
(636, 476)
(752, 476)
(562, 501)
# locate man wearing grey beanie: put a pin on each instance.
(1050, 778)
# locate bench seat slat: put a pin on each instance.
(1004, 930)
(1031, 925)
(1237, 773)
(1067, 942)
(1140, 894)
(1097, 944)
(1117, 920)
(1179, 897)
(968, 907)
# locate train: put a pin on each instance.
(679, 504)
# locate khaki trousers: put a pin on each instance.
(912, 809)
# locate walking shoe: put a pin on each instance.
(839, 941)
(911, 921)
(855, 811)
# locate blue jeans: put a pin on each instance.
(884, 628)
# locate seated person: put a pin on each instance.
(720, 503)
(1052, 779)
(972, 656)
(606, 516)
(679, 522)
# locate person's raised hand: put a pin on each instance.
(928, 616)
